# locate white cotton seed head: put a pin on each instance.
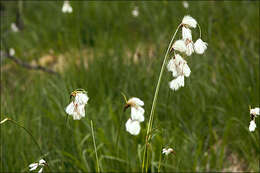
(133, 127)
(167, 151)
(186, 70)
(186, 33)
(185, 4)
(135, 101)
(137, 113)
(200, 46)
(172, 67)
(40, 171)
(255, 111)
(189, 49)
(66, 8)
(33, 166)
(175, 84)
(252, 126)
(189, 22)
(42, 162)
(77, 111)
(14, 28)
(11, 51)
(135, 12)
(81, 98)
(179, 45)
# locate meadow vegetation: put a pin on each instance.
(103, 49)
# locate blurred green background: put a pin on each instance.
(104, 49)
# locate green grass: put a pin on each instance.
(206, 122)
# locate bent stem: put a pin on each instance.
(28, 132)
(92, 130)
(156, 96)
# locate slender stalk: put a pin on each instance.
(28, 132)
(156, 96)
(199, 29)
(92, 130)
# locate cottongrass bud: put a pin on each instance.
(179, 45)
(185, 4)
(252, 126)
(189, 21)
(11, 51)
(66, 8)
(200, 46)
(34, 166)
(135, 12)
(186, 33)
(167, 151)
(14, 28)
(77, 107)
(133, 126)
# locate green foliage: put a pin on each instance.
(206, 122)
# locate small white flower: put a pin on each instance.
(135, 12)
(185, 4)
(175, 84)
(66, 8)
(137, 112)
(11, 51)
(167, 151)
(133, 126)
(252, 126)
(14, 28)
(186, 33)
(77, 107)
(179, 45)
(189, 22)
(189, 47)
(255, 111)
(200, 46)
(34, 166)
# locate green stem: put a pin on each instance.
(28, 132)
(199, 29)
(92, 130)
(159, 166)
(156, 95)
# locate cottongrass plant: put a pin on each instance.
(32, 166)
(178, 66)
(14, 27)
(253, 114)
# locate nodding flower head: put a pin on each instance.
(76, 108)
(34, 166)
(200, 46)
(135, 12)
(167, 151)
(133, 126)
(137, 115)
(179, 45)
(255, 112)
(137, 112)
(189, 22)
